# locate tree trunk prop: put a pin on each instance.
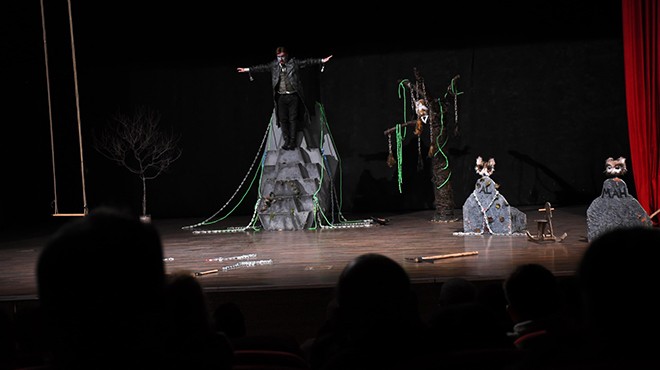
(432, 112)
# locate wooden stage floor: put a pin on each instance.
(275, 260)
(285, 280)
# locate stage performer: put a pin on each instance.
(287, 91)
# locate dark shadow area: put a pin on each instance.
(525, 69)
(564, 192)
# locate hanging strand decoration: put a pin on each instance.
(320, 219)
(390, 157)
(399, 154)
(401, 133)
(436, 148)
(336, 200)
(401, 90)
(451, 90)
(440, 147)
(210, 220)
(419, 103)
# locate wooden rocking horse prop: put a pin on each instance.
(545, 231)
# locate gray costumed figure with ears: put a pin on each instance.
(486, 210)
(615, 207)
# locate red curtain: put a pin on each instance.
(641, 38)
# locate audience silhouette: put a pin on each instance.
(7, 342)
(535, 304)
(466, 332)
(375, 323)
(617, 278)
(196, 344)
(102, 290)
(461, 322)
(491, 295)
(29, 345)
(100, 283)
(228, 319)
(457, 290)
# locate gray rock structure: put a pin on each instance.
(297, 185)
(614, 208)
(487, 211)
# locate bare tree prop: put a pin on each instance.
(137, 143)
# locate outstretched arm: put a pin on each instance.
(326, 59)
(256, 68)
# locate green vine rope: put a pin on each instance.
(399, 155)
(402, 88)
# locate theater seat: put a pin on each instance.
(250, 359)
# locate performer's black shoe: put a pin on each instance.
(286, 147)
(290, 145)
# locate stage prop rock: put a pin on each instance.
(486, 210)
(615, 208)
(296, 184)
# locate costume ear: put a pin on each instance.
(479, 164)
(608, 160)
(491, 162)
(622, 160)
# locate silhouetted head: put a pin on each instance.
(373, 289)
(101, 258)
(229, 319)
(100, 283)
(457, 291)
(187, 306)
(532, 292)
(617, 276)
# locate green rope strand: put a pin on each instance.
(315, 199)
(401, 133)
(339, 165)
(437, 144)
(320, 215)
(332, 140)
(444, 182)
(400, 89)
(399, 155)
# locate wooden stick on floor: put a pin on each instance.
(200, 273)
(654, 213)
(441, 256)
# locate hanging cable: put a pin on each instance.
(75, 80)
(50, 109)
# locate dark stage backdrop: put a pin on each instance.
(545, 99)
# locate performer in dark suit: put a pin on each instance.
(288, 93)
